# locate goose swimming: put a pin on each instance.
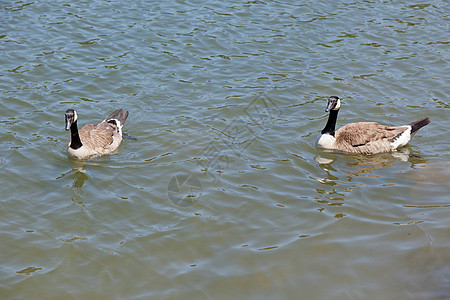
(364, 137)
(95, 140)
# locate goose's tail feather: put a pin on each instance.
(119, 115)
(416, 125)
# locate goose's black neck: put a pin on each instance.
(75, 141)
(331, 124)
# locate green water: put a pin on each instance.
(220, 193)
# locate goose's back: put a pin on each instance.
(367, 137)
(101, 138)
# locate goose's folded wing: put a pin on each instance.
(97, 136)
(364, 133)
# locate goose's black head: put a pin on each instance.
(334, 103)
(71, 117)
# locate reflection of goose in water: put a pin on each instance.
(364, 137)
(364, 165)
(78, 174)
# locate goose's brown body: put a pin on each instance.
(367, 137)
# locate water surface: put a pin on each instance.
(221, 194)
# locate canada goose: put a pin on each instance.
(95, 140)
(364, 137)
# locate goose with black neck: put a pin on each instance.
(94, 140)
(364, 137)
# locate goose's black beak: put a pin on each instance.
(330, 106)
(70, 117)
(68, 124)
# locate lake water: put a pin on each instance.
(219, 191)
